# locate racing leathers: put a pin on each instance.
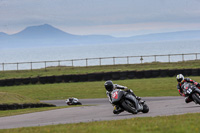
(180, 90)
(117, 109)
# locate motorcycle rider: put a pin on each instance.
(110, 87)
(180, 78)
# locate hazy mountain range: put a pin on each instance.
(47, 35)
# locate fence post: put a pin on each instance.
(31, 66)
(113, 60)
(182, 57)
(72, 63)
(3, 66)
(45, 65)
(59, 63)
(86, 61)
(17, 66)
(127, 59)
(169, 58)
(196, 56)
(141, 59)
(155, 57)
(100, 61)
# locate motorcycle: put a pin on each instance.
(128, 102)
(73, 101)
(191, 91)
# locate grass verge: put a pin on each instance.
(30, 110)
(83, 90)
(187, 123)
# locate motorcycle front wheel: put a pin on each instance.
(145, 108)
(196, 97)
(129, 106)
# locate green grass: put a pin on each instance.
(92, 69)
(83, 90)
(187, 123)
(10, 98)
(29, 110)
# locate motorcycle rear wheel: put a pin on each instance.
(128, 106)
(196, 97)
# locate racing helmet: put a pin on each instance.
(109, 85)
(180, 77)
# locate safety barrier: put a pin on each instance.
(23, 106)
(99, 61)
(119, 75)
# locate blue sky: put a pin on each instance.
(109, 17)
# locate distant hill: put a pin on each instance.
(47, 35)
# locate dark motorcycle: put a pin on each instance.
(128, 102)
(191, 91)
(73, 101)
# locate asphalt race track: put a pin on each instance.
(99, 110)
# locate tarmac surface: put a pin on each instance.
(99, 110)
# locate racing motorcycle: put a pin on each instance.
(128, 102)
(191, 91)
(73, 101)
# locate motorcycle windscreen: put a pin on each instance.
(116, 96)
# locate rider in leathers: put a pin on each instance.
(180, 78)
(110, 87)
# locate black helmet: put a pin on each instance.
(109, 85)
(180, 77)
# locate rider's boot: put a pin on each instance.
(117, 110)
(188, 100)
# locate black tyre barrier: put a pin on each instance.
(95, 77)
(66, 78)
(147, 73)
(139, 74)
(180, 71)
(101, 76)
(187, 72)
(83, 78)
(43, 80)
(107, 76)
(115, 75)
(131, 74)
(59, 79)
(123, 75)
(23, 106)
(155, 73)
(195, 72)
(74, 78)
(163, 73)
(34, 80)
(172, 73)
(10, 82)
(26, 81)
(18, 81)
(50, 79)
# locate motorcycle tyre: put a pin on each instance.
(127, 106)
(196, 98)
(145, 108)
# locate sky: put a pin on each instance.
(119, 18)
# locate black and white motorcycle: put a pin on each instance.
(191, 91)
(73, 101)
(128, 102)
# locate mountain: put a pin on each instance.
(47, 35)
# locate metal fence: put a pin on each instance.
(99, 61)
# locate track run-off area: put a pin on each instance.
(98, 110)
